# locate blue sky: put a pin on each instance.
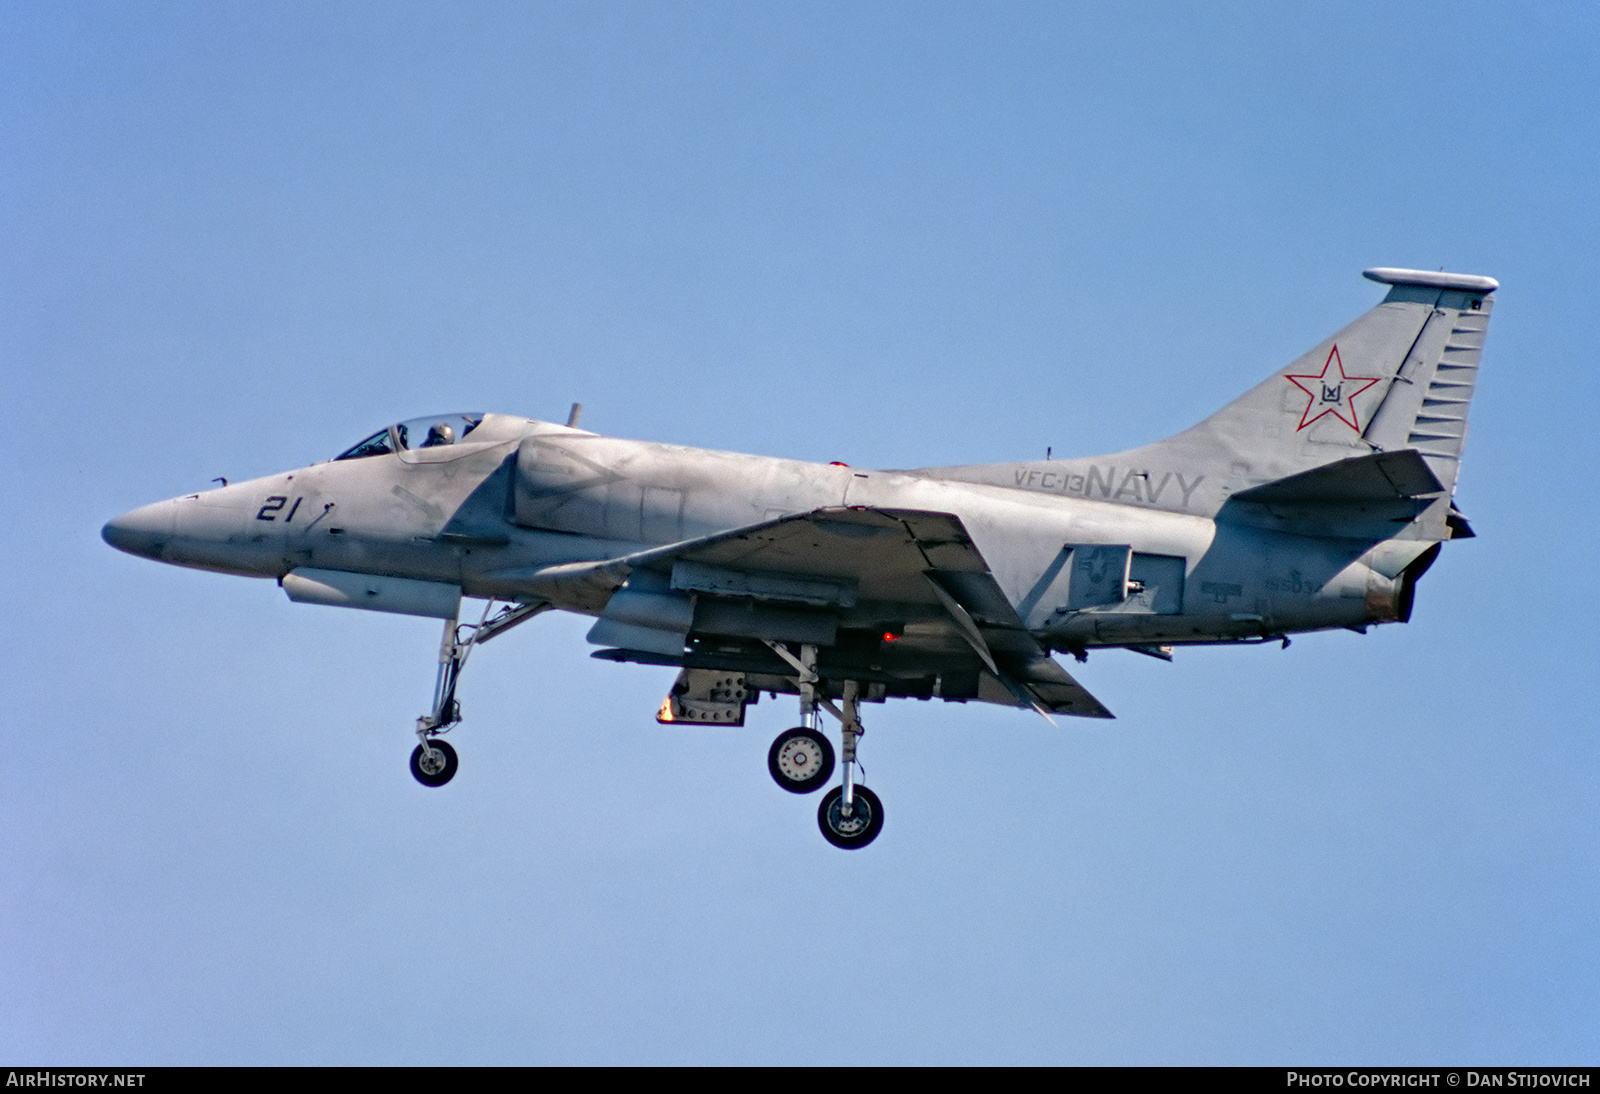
(237, 238)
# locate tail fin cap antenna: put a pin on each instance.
(1390, 275)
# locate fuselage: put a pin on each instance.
(514, 497)
(1313, 500)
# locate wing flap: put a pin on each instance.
(908, 588)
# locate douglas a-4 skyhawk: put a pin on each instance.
(1315, 500)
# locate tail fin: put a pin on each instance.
(1399, 377)
(1429, 412)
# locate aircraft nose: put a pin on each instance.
(144, 531)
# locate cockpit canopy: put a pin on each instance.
(429, 432)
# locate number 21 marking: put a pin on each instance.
(275, 504)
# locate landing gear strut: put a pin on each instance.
(801, 759)
(850, 816)
(434, 762)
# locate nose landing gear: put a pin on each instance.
(434, 762)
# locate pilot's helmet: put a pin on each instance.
(439, 433)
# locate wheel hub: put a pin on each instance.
(432, 760)
(800, 759)
(859, 820)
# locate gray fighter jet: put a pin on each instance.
(1315, 500)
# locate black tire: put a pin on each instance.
(800, 760)
(444, 774)
(863, 825)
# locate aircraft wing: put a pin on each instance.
(899, 598)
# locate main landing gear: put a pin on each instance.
(860, 827)
(801, 759)
(434, 762)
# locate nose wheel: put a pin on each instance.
(434, 763)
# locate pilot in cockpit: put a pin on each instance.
(441, 432)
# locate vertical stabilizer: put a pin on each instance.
(1401, 376)
(1398, 378)
(1427, 409)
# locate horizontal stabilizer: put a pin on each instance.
(1365, 497)
(1383, 476)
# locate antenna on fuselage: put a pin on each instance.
(573, 415)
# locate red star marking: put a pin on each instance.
(1332, 394)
